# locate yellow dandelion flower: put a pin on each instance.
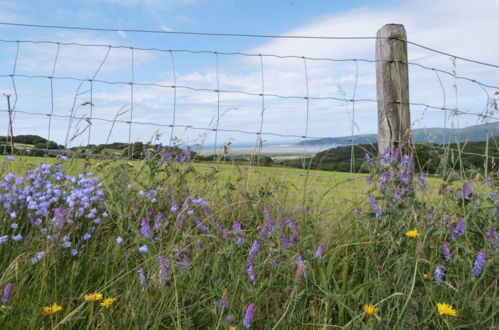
(412, 233)
(370, 309)
(49, 310)
(93, 297)
(446, 309)
(107, 302)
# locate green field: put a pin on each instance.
(214, 246)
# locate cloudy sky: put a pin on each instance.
(464, 28)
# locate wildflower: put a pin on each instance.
(458, 229)
(478, 265)
(145, 228)
(467, 186)
(370, 309)
(491, 234)
(93, 297)
(4, 239)
(164, 269)
(254, 250)
(17, 238)
(107, 302)
(319, 251)
(73, 252)
(446, 309)
(224, 302)
(248, 316)
(251, 272)
(119, 240)
(143, 249)
(412, 233)
(422, 179)
(301, 265)
(426, 276)
(356, 212)
(142, 278)
(229, 319)
(86, 237)
(10, 158)
(39, 256)
(446, 251)
(439, 274)
(200, 225)
(369, 180)
(49, 310)
(7, 292)
(378, 210)
(14, 225)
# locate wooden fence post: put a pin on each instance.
(392, 79)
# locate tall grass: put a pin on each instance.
(183, 247)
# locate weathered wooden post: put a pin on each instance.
(392, 79)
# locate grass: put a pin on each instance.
(198, 268)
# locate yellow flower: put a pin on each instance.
(370, 309)
(49, 310)
(93, 297)
(446, 309)
(107, 302)
(426, 276)
(412, 233)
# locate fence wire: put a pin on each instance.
(485, 115)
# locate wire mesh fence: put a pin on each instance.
(87, 93)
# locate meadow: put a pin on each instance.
(166, 243)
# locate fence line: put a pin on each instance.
(455, 111)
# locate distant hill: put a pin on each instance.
(475, 133)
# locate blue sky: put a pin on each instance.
(458, 27)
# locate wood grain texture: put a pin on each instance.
(392, 79)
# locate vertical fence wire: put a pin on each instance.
(92, 93)
(49, 133)
(307, 105)
(352, 153)
(130, 147)
(218, 107)
(259, 141)
(172, 59)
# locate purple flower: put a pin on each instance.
(224, 302)
(467, 187)
(7, 292)
(229, 319)
(142, 278)
(185, 262)
(369, 180)
(164, 269)
(86, 237)
(248, 316)
(10, 158)
(145, 228)
(73, 252)
(406, 161)
(200, 225)
(356, 212)
(422, 179)
(251, 272)
(439, 274)
(266, 212)
(459, 229)
(378, 210)
(446, 251)
(491, 234)
(319, 251)
(478, 265)
(39, 256)
(143, 249)
(119, 240)
(18, 237)
(254, 250)
(267, 228)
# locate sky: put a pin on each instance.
(463, 28)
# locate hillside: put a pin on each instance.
(475, 133)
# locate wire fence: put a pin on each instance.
(55, 95)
